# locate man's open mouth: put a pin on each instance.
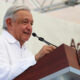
(26, 32)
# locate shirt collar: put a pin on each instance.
(9, 37)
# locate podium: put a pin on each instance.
(61, 64)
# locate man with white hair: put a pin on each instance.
(14, 56)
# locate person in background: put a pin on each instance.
(15, 58)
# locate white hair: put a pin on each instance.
(11, 11)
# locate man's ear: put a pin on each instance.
(9, 22)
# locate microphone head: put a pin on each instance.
(34, 34)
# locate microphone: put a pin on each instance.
(42, 39)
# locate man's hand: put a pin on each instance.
(45, 50)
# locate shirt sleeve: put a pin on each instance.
(10, 71)
(20, 67)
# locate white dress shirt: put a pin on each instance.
(13, 59)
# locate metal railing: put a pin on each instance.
(49, 5)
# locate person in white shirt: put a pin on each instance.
(14, 56)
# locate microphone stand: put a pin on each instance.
(43, 40)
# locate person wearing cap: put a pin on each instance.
(15, 58)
